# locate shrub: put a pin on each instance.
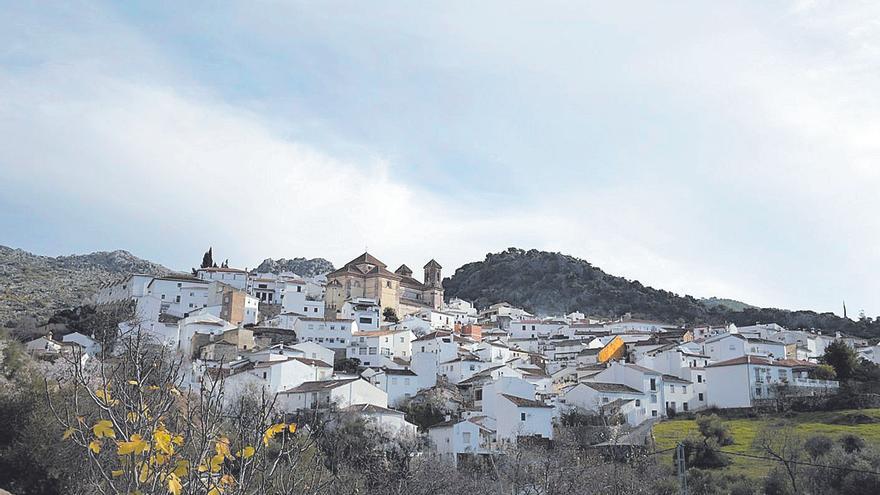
(818, 445)
(851, 443)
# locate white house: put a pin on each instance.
(365, 311)
(741, 381)
(311, 350)
(326, 393)
(648, 381)
(276, 375)
(200, 323)
(331, 333)
(631, 325)
(522, 417)
(90, 346)
(525, 329)
(369, 346)
(452, 439)
(596, 396)
(462, 368)
(732, 345)
(399, 384)
(389, 420)
(229, 276)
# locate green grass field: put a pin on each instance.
(668, 433)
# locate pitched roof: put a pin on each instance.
(318, 386)
(372, 409)
(675, 379)
(521, 402)
(432, 264)
(612, 387)
(747, 359)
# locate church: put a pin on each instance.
(366, 276)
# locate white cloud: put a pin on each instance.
(100, 123)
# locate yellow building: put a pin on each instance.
(367, 277)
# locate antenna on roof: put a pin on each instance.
(844, 309)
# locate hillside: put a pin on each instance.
(38, 286)
(301, 266)
(552, 283)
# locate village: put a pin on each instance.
(370, 341)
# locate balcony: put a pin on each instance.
(810, 382)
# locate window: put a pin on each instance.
(306, 310)
(522, 416)
(163, 297)
(372, 350)
(478, 395)
(366, 320)
(264, 375)
(388, 284)
(700, 397)
(362, 351)
(315, 309)
(653, 399)
(653, 384)
(684, 405)
(757, 391)
(605, 400)
(699, 378)
(466, 437)
(638, 403)
(654, 412)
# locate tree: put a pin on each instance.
(390, 315)
(842, 358)
(823, 372)
(208, 258)
(136, 428)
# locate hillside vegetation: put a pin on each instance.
(548, 283)
(300, 266)
(745, 432)
(35, 287)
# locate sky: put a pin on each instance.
(707, 148)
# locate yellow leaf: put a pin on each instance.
(133, 382)
(174, 391)
(227, 479)
(174, 485)
(181, 468)
(153, 387)
(104, 429)
(272, 431)
(104, 396)
(131, 417)
(163, 441)
(177, 440)
(245, 453)
(67, 433)
(202, 468)
(145, 472)
(136, 445)
(292, 427)
(214, 491)
(216, 463)
(116, 473)
(95, 446)
(81, 419)
(222, 447)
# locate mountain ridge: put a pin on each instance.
(35, 287)
(554, 283)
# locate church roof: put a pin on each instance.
(404, 270)
(365, 265)
(433, 264)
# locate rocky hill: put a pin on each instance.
(553, 283)
(33, 286)
(300, 266)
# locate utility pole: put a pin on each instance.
(680, 467)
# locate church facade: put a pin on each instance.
(366, 276)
